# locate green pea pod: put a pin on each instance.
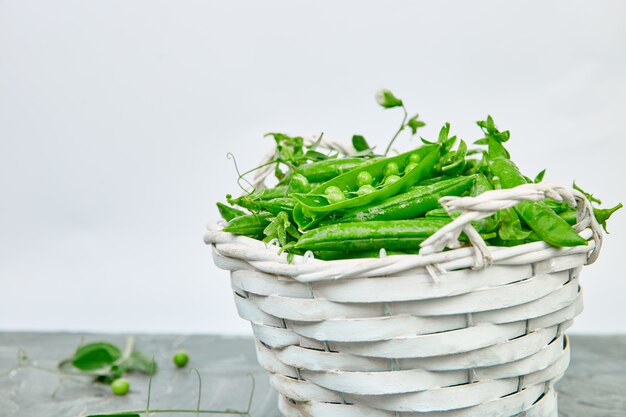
(430, 181)
(314, 203)
(481, 184)
(569, 216)
(248, 202)
(325, 170)
(546, 224)
(414, 203)
(438, 212)
(270, 193)
(277, 205)
(304, 222)
(251, 225)
(556, 206)
(368, 236)
(227, 212)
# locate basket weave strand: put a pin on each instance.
(380, 337)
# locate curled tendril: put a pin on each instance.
(241, 176)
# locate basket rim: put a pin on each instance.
(433, 255)
(267, 258)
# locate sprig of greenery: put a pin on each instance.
(291, 152)
(93, 358)
(106, 362)
(387, 100)
(101, 361)
(282, 229)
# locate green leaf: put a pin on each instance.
(415, 124)
(315, 155)
(454, 162)
(444, 132)
(539, 177)
(95, 356)
(602, 215)
(491, 131)
(280, 228)
(589, 196)
(359, 143)
(386, 99)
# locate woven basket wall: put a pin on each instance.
(474, 331)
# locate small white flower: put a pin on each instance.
(380, 96)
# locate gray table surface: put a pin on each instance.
(595, 384)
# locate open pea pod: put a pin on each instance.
(414, 203)
(315, 204)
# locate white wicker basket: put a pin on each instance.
(473, 331)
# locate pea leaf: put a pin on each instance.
(454, 162)
(95, 356)
(602, 215)
(494, 138)
(446, 141)
(415, 124)
(539, 177)
(359, 143)
(312, 155)
(280, 228)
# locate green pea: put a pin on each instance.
(415, 158)
(364, 178)
(120, 386)
(299, 184)
(391, 169)
(410, 167)
(366, 189)
(391, 179)
(180, 358)
(333, 189)
(334, 194)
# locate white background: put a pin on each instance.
(116, 116)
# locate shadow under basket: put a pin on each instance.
(471, 331)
